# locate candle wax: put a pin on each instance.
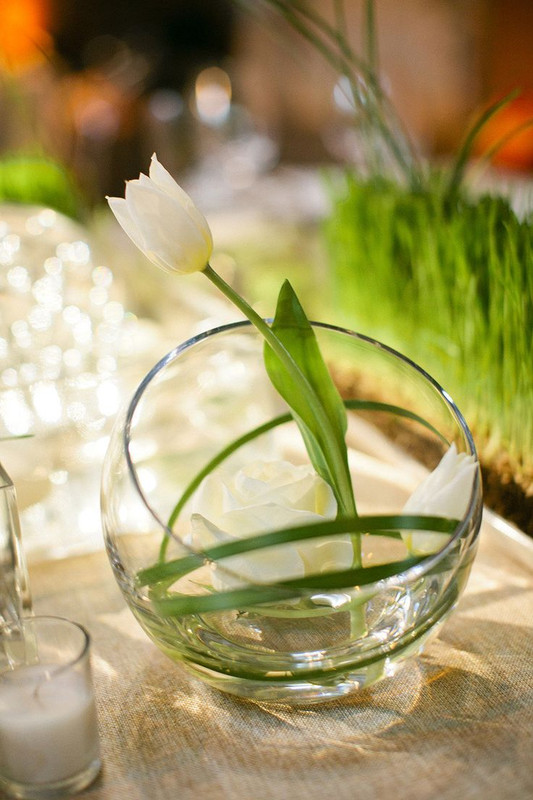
(48, 728)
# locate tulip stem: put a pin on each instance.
(341, 479)
(343, 485)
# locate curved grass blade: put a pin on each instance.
(486, 157)
(378, 525)
(405, 641)
(375, 405)
(183, 604)
(466, 149)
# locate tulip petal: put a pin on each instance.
(445, 492)
(166, 183)
(162, 221)
(119, 207)
(171, 239)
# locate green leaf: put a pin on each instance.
(333, 449)
(292, 327)
(325, 443)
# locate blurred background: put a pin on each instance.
(101, 85)
(245, 114)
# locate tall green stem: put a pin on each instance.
(337, 459)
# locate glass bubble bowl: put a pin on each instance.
(324, 644)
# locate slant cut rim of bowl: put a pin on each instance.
(408, 575)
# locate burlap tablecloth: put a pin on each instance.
(456, 723)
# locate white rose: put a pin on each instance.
(162, 220)
(261, 497)
(445, 492)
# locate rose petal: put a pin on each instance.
(326, 555)
(267, 496)
(262, 566)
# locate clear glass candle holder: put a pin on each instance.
(204, 395)
(49, 745)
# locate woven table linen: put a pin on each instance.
(455, 723)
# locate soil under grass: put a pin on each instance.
(508, 495)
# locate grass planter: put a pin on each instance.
(448, 279)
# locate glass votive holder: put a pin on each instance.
(49, 743)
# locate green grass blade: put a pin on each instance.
(370, 37)
(183, 604)
(503, 140)
(377, 524)
(379, 115)
(466, 149)
(213, 464)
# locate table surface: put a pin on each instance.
(455, 723)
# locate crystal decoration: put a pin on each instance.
(68, 353)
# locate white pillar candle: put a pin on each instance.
(48, 729)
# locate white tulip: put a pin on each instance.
(162, 220)
(445, 492)
(262, 497)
